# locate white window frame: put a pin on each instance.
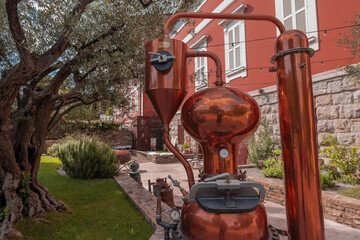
(229, 26)
(310, 19)
(136, 101)
(201, 80)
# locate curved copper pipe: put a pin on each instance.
(219, 81)
(181, 158)
(256, 17)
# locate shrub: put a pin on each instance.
(87, 158)
(273, 168)
(326, 181)
(263, 145)
(347, 159)
(349, 180)
(332, 171)
(51, 151)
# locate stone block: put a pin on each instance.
(350, 111)
(334, 86)
(265, 109)
(342, 125)
(357, 139)
(262, 100)
(346, 138)
(349, 84)
(355, 125)
(328, 112)
(273, 98)
(325, 126)
(351, 213)
(357, 96)
(333, 211)
(342, 98)
(275, 109)
(319, 88)
(271, 119)
(338, 207)
(323, 100)
(356, 222)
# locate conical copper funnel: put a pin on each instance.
(166, 89)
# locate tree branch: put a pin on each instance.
(64, 40)
(57, 118)
(112, 30)
(145, 4)
(18, 33)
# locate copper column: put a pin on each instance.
(298, 137)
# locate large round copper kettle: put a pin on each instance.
(220, 118)
(198, 224)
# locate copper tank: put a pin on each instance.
(166, 89)
(198, 224)
(220, 118)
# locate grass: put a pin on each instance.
(353, 192)
(99, 210)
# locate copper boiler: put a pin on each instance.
(220, 118)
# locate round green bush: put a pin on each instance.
(86, 158)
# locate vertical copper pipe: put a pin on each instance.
(298, 137)
(256, 17)
(182, 159)
(158, 205)
(219, 81)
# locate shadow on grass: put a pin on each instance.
(98, 209)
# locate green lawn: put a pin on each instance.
(353, 192)
(99, 210)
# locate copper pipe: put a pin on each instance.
(298, 137)
(181, 158)
(219, 81)
(158, 206)
(256, 17)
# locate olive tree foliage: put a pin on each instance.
(55, 56)
(351, 41)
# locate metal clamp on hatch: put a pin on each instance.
(227, 196)
(162, 60)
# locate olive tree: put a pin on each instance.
(55, 56)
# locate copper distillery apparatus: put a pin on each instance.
(221, 118)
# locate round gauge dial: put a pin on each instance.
(224, 153)
(175, 215)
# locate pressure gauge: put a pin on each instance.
(224, 153)
(175, 215)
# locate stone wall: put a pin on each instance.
(145, 201)
(115, 138)
(174, 134)
(336, 207)
(336, 99)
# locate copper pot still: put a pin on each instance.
(221, 118)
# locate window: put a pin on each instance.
(201, 66)
(136, 102)
(235, 51)
(201, 76)
(301, 15)
(131, 105)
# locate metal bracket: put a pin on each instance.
(162, 60)
(293, 50)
